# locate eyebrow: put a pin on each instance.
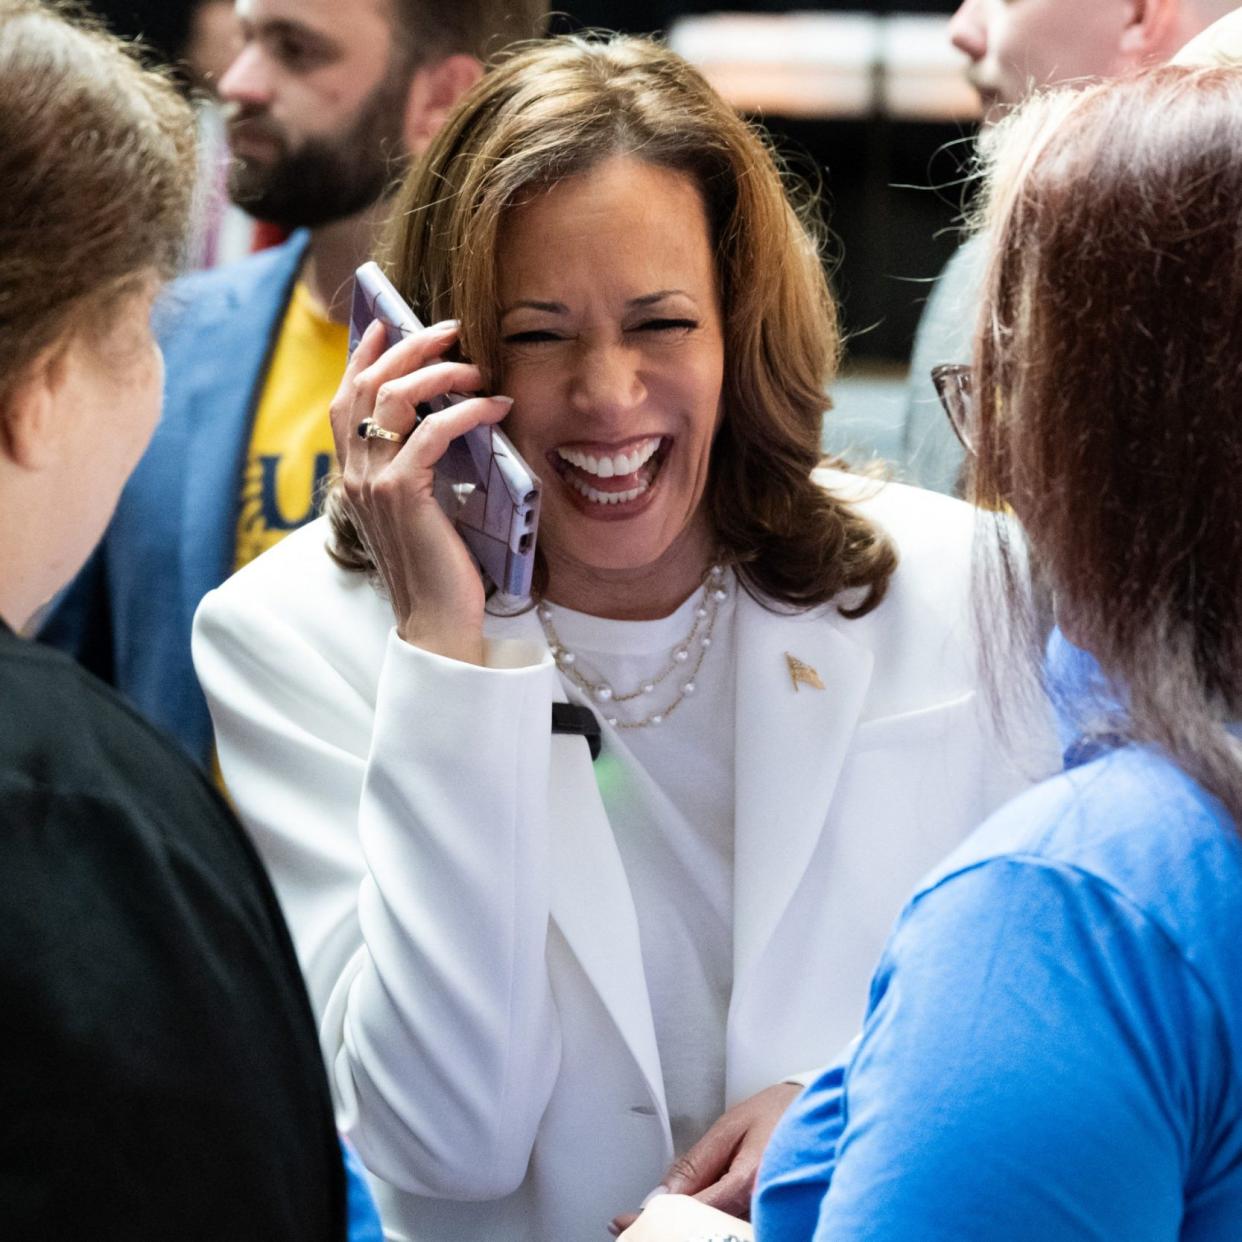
(288, 26)
(559, 308)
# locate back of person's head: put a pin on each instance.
(561, 108)
(431, 29)
(96, 161)
(1108, 376)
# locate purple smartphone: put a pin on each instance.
(482, 483)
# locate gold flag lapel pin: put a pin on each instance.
(802, 674)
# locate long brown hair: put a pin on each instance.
(556, 109)
(97, 170)
(1108, 377)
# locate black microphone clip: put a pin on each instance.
(580, 722)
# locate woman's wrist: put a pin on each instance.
(462, 644)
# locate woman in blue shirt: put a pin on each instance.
(1053, 1044)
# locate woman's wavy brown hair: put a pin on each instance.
(97, 170)
(556, 109)
(1108, 381)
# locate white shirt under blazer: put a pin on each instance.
(457, 898)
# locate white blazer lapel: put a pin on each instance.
(591, 901)
(592, 906)
(791, 741)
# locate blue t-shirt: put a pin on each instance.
(1053, 1046)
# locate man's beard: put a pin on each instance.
(328, 178)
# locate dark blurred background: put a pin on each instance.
(888, 167)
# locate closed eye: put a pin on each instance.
(539, 336)
(666, 325)
(299, 50)
(535, 336)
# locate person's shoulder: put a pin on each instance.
(960, 280)
(1094, 807)
(909, 514)
(297, 586)
(948, 319)
(1125, 855)
(1129, 823)
(298, 567)
(205, 294)
(932, 534)
(920, 634)
(243, 275)
(76, 738)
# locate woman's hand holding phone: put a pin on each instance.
(432, 582)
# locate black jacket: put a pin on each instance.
(160, 1076)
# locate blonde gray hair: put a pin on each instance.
(97, 165)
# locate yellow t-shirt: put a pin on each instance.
(291, 452)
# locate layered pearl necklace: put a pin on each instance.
(685, 660)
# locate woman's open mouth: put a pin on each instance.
(612, 479)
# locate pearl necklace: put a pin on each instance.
(691, 651)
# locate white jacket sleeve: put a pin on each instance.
(408, 842)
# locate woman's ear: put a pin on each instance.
(433, 93)
(33, 432)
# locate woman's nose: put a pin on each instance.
(607, 382)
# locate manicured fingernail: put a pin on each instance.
(655, 1194)
(445, 326)
(505, 401)
(614, 1229)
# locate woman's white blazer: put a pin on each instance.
(457, 899)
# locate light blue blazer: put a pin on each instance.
(127, 615)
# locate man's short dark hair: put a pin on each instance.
(432, 29)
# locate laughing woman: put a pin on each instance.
(539, 980)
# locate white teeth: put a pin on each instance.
(611, 467)
(607, 498)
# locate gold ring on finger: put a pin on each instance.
(369, 429)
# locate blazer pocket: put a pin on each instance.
(916, 726)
